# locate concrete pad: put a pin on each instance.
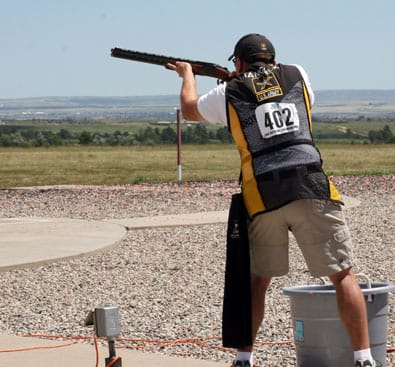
(82, 355)
(36, 241)
(174, 220)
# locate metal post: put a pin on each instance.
(179, 167)
(113, 360)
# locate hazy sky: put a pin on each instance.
(62, 47)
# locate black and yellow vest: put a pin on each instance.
(269, 117)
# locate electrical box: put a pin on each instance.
(106, 321)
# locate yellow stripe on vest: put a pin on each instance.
(334, 194)
(252, 197)
(308, 106)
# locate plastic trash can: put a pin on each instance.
(320, 338)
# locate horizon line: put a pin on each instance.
(176, 94)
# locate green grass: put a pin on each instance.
(358, 159)
(129, 165)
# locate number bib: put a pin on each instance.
(277, 118)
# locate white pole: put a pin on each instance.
(179, 166)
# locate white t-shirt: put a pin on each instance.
(212, 105)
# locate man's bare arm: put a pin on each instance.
(188, 95)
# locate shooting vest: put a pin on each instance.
(268, 112)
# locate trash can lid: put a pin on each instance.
(327, 289)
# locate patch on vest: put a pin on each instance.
(277, 118)
(267, 87)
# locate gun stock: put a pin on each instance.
(199, 67)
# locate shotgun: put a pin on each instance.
(198, 67)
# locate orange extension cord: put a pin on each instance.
(145, 343)
(38, 347)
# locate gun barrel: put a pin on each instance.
(199, 67)
(141, 56)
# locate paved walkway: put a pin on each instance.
(35, 241)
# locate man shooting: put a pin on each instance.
(267, 108)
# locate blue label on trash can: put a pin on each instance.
(299, 331)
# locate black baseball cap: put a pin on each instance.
(254, 47)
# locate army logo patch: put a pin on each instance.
(266, 87)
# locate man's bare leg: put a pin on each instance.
(259, 286)
(352, 308)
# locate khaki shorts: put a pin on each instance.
(319, 228)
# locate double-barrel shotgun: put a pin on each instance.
(198, 67)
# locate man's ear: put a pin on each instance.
(240, 65)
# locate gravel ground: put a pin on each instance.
(168, 282)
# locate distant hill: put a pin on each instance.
(384, 95)
(352, 104)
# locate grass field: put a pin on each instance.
(129, 165)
